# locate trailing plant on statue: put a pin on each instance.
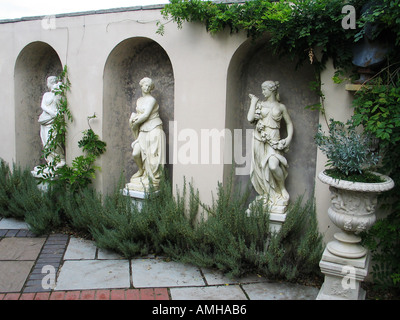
(58, 130)
(82, 170)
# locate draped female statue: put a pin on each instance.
(149, 146)
(268, 165)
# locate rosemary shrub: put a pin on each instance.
(228, 240)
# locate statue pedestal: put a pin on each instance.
(343, 277)
(137, 197)
(277, 215)
(277, 212)
(42, 185)
(276, 220)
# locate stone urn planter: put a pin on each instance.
(345, 262)
(352, 210)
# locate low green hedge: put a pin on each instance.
(227, 239)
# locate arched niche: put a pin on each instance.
(251, 65)
(34, 64)
(129, 62)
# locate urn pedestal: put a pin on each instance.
(345, 261)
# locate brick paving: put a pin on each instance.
(20, 233)
(102, 294)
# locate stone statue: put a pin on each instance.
(149, 146)
(49, 106)
(268, 165)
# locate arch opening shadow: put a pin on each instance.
(129, 62)
(35, 63)
(250, 66)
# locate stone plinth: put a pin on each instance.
(343, 277)
(276, 220)
(277, 211)
(137, 197)
(42, 184)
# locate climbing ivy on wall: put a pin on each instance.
(295, 28)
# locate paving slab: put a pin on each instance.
(93, 274)
(11, 223)
(79, 249)
(230, 292)
(20, 248)
(159, 273)
(279, 291)
(108, 254)
(13, 275)
(215, 277)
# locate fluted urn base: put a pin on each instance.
(346, 245)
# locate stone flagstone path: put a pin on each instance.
(82, 271)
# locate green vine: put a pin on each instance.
(80, 174)
(58, 130)
(295, 28)
(82, 170)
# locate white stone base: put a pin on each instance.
(343, 277)
(276, 220)
(134, 194)
(137, 197)
(277, 212)
(42, 185)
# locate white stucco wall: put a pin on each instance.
(200, 65)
